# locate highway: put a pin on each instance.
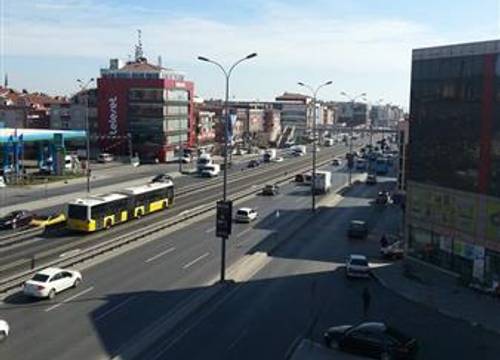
(303, 291)
(125, 295)
(19, 257)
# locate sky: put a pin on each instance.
(360, 45)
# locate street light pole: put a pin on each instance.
(227, 75)
(353, 101)
(84, 87)
(313, 183)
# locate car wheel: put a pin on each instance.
(332, 344)
(52, 294)
(3, 335)
(77, 282)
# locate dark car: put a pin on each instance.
(382, 198)
(357, 229)
(271, 190)
(16, 219)
(253, 163)
(371, 179)
(374, 339)
(161, 178)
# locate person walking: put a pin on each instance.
(366, 301)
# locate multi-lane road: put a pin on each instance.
(120, 298)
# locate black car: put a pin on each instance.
(16, 219)
(374, 339)
(382, 198)
(371, 179)
(357, 229)
(253, 163)
(161, 178)
(271, 190)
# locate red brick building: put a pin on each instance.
(151, 104)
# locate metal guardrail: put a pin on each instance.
(121, 240)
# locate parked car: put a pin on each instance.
(16, 219)
(48, 220)
(357, 229)
(48, 282)
(4, 330)
(104, 158)
(357, 266)
(271, 189)
(161, 178)
(253, 163)
(374, 339)
(382, 198)
(336, 162)
(392, 251)
(246, 215)
(371, 179)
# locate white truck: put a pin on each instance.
(269, 155)
(322, 182)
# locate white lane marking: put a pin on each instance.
(69, 299)
(191, 263)
(169, 250)
(211, 230)
(71, 252)
(244, 232)
(299, 200)
(114, 308)
(235, 341)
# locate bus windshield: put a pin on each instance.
(78, 212)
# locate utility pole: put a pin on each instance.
(313, 183)
(227, 75)
(84, 88)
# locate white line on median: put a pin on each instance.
(114, 308)
(211, 230)
(169, 250)
(69, 299)
(191, 263)
(243, 232)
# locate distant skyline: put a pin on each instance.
(362, 46)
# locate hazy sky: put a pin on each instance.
(362, 46)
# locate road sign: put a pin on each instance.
(224, 218)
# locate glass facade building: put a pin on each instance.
(453, 210)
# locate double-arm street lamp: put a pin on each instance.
(352, 99)
(227, 74)
(84, 89)
(314, 93)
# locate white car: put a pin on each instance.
(48, 282)
(278, 159)
(357, 266)
(105, 157)
(4, 330)
(246, 215)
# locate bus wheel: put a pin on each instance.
(108, 224)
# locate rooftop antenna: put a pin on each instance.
(139, 54)
(159, 60)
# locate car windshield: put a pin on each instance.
(359, 262)
(40, 277)
(242, 212)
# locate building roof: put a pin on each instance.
(292, 96)
(457, 50)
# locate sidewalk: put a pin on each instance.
(436, 288)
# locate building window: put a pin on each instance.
(177, 95)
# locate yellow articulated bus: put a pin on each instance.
(104, 211)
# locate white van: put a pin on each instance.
(210, 170)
